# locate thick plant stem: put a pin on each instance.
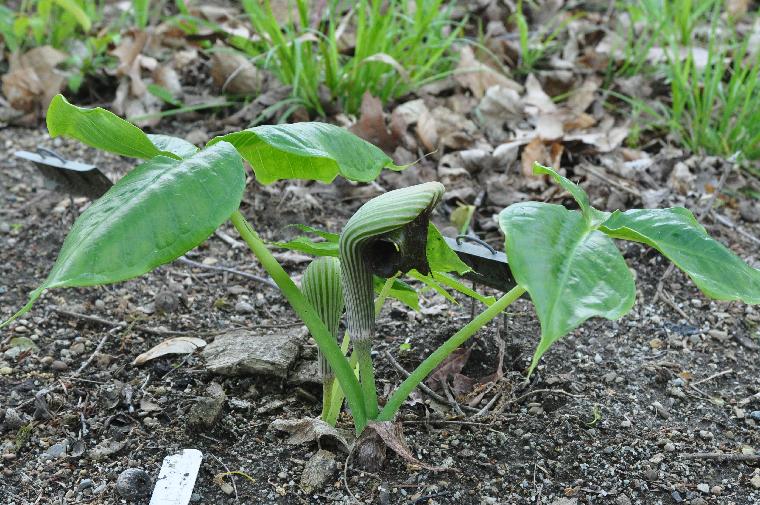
(327, 391)
(426, 367)
(309, 316)
(363, 350)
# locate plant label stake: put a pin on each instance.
(177, 478)
(489, 267)
(70, 177)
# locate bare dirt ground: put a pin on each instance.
(618, 412)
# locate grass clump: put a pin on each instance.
(398, 46)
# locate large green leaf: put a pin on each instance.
(316, 151)
(154, 214)
(675, 232)
(105, 130)
(175, 145)
(571, 271)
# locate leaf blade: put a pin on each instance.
(571, 271)
(100, 129)
(675, 233)
(314, 151)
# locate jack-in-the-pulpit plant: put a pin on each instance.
(566, 260)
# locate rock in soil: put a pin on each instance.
(243, 352)
(320, 468)
(133, 483)
(206, 411)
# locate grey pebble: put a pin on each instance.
(85, 483)
(5, 228)
(59, 366)
(242, 307)
(755, 415)
(703, 488)
(133, 483)
(55, 451)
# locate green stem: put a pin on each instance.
(327, 390)
(383, 295)
(426, 367)
(309, 316)
(363, 350)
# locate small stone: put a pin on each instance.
(625, 423)
(19, 345)
(536, 410)
(5, 370)
(85, 484)
(698, 501)
(678, 382)
(282, 475)
(622, 500)
(716, 490)
(55, 451)
(650, 474)
(100, 304)
(77, 349)
(227, 488)
(661, 410)
(13, 420)
(206, 411)
(656, 343)
(669, 447)
(151, 422)
(242, 307)
(5, 227)
(739, 413)
(59, 366)
(755, 415)
(244, 352)
(319, 470)
(133, 483)
(597, 358)
(755, 481)
(703, 488)
(706, 435)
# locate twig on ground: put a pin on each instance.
(452, 401)
(720, 456)
(435, 396)
(114, 324)
(733, 226)
(488, 406)
(98, 348)
(234, 487)
(714, 376)
(252, 277)
(235, 244)
(540, 391)
(666, 298)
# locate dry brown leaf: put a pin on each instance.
(233, 73)
(534, 152)
(549, 126)
(167, 77)
(580, 121)
(177, 345)
(427, 131)
(303, 431)
(453, 364)
(737, 8)
(32, 80)
(371, 125)
(478, 77)
(128, 52)
(393, 436)
(535, 96)
(581, 98)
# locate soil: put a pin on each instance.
(614, 414)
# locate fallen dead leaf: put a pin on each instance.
(478, 77)
(303, 431)
(453, 364)
(392, 435)
(234, 73)
(177, 345)
(32, 80)
(427, 131)
(371, 125)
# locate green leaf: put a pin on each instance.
(456, 284)
(432, 283)
(675, 232)
(571, 271)
(101, 129)
(400, 290)
(441, 258)
(315, 151)
(309, 246)
(154, 214)
(175, 145)
(76, 12)
(592, 216)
